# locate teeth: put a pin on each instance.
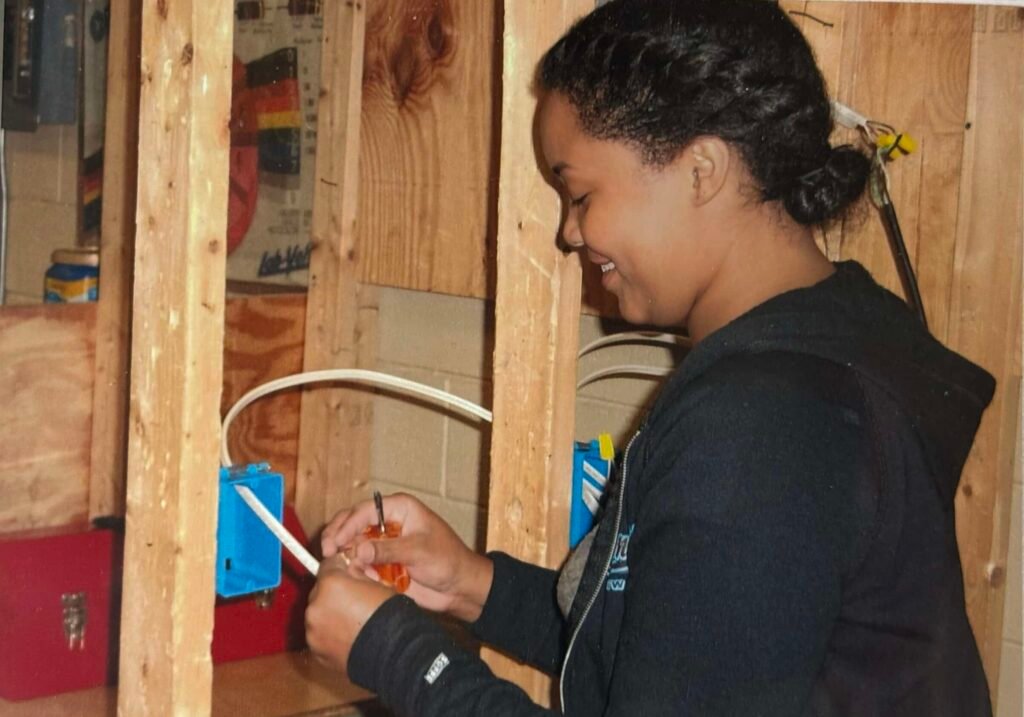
(605, 268)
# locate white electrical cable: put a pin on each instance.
(401, 384)
(352, 375)
(630, 370)
(280, 532)
(635, 337)
(848, 117)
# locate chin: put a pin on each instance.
(633, 315)
(649, 316)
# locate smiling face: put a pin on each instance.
(642, 225)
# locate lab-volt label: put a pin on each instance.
(294, 258)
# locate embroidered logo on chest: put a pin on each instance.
(618, 570)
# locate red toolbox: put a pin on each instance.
(57, 606)
(263, 624)
(60, 611)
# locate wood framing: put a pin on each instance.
(333, 431)
(536, 328)
(117, 245)
(985, 310)
(428, 148)
(177, 338)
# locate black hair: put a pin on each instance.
(659, 73)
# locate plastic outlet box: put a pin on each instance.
(248, 554)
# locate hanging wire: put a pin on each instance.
(812, 17)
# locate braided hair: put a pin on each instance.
(656, 74)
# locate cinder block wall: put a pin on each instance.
(43, 186)
(442, 457)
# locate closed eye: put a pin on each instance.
(577, 201)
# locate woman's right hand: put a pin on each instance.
(445, 575)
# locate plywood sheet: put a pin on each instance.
(46, 366)
(263, 340)
(428, 158)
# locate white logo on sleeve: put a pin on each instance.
(440, 662)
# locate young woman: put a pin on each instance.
(779, 538)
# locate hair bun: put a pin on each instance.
(823, 193)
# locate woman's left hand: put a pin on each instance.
(340, 603)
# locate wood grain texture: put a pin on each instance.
(177, 340)
(46, 350)
(536, 328)
(959, 202)
(289, 683)
(117, 245)
(46, 374)
(984, 315)
(333, 432)
(870, 50)
(263, 340)
(428, 146)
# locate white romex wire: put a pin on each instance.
(352, 375)
(635, 337)
(287, 539)
(629, 370)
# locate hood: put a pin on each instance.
(851, 320)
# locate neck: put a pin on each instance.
(766, 254)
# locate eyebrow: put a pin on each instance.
(558, 168)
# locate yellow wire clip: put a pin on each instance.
(892, 146)
(606, 447)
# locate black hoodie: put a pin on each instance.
(779, 540)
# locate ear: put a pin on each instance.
(711, 160)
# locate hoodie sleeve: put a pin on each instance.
(521, 615)
(735, 567)
(417, 670)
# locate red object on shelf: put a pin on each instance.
(51, 580)
(56, 608)
(262, 625)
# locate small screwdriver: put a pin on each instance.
(393, 574)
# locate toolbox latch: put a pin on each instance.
(75, 616)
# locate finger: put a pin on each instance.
(403, 549)
(327, 543)
(360, 516)
(335, 564)
(364, 514)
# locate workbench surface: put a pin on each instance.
(282, 685)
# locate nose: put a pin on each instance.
(571, 231)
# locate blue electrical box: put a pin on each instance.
(591, 467)
(248, 554)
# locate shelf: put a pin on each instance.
(283, 685)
